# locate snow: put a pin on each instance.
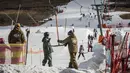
(60, 55)
(94, 62)
(34, 69)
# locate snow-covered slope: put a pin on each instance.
(60, 54)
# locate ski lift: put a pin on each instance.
(81, 10)
(59, 10)
(92, 7)
(119, 25)
(106, 17)
(105, 9)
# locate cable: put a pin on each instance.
(32, 18)
(18, 13)
(81, 10)
(80, 4)
(77, 3)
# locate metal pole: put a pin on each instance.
(99, 22)
(65, 24)
(94, 2)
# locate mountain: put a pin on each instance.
(120, 3)
(27, 12)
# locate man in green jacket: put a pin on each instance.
(17, 40)
(16, 36)
(71, 41)
(47, 48)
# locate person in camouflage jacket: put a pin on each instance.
(71, 41)
(16, 36)
(47, 48)
(17, 41)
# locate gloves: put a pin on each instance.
(49, 39)
(58, 40)
(65, 44)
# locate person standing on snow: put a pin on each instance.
(47, 48)
(16, 36)
(16, 40)
(81, 51)
(89, 37)
(95, 33)
(90, 47)
(71, 41)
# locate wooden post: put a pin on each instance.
(57, 27)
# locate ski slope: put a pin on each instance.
(94, 60)
(60, 55)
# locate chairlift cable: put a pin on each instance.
(32, 18)
(10, 19)
(18, 13)
(80, 4)
(8, 16)
(81, 10)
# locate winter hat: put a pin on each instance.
(46, 34)
(81, 45)
(70, 32)
(17, 25)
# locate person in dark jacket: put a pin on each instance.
(81, 51)
(95, 33)
(16, 36)
(47, 48)
(89, 37)
(17, 41)
(71, 41)
(90, 47)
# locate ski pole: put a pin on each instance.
(27, 35)
(57, 27)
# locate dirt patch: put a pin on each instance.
(125, 16)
